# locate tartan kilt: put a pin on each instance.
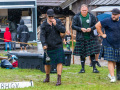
(86, 47)
(110, 54)
(56, 56)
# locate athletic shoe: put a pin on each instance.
(113, 79)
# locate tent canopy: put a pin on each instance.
(105, 8)
(16, 6)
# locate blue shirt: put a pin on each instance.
(112, 30)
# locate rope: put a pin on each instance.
(15, 41)
(26, 43)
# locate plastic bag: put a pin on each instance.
(6, 64)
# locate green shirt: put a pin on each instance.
(85, 24)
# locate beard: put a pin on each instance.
(115, 19)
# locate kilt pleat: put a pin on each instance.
(110, 54)
(56, 56)
(86, 47)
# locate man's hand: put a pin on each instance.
(104, 35)
(88, 30)
(44, 47)
(83, 30)
(54, 22)
(65, 43)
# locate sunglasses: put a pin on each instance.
(50, 16)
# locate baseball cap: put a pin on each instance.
(115, 11)
(50, 12)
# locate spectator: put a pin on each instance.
(23, 34)
(67, 39)
(13, 30)
(7, 37)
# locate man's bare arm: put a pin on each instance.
(99, 27)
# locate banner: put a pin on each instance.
(16, 85)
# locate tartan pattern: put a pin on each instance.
(56, 56)
(110, 54)
(87, 47)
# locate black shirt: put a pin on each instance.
(50, 35)
(67, 38)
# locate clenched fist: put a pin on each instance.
(44, 47)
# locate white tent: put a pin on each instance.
(105, 8)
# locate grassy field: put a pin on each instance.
(71, 80)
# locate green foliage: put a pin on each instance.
(71, 80)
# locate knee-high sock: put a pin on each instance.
(93, 61)
(82, 62)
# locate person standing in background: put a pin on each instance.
(67, 39)
(23, 34)
(13, 30)
(7, 37)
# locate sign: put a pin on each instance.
(16, 85)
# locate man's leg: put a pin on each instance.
(59, 71)
(25, 48)
(9, 45)
(90, 62)
(13, 44)
(114, 63)
(47, 70)
(82, 64)
(93, 63)
(21, 48)
(14, 39)
(6, 46)
(96, 58)
(111, 67)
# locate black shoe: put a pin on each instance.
(82, 71)
(95, 71)
(98, 64)
(90, 65)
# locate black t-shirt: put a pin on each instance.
(112, 30)
(68, 38)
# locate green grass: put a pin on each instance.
(71, 80)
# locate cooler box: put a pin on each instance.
(30, 60)
(118, 70)
(67, 58)
(14, 53)
(27, 60)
